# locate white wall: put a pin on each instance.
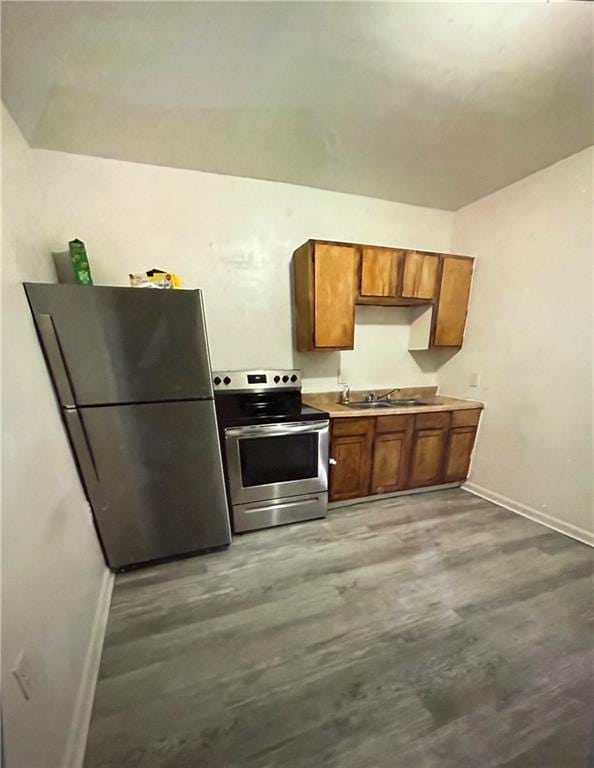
(529, 336)
(53, 574)
(234, 238)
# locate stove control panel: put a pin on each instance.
(227, 381)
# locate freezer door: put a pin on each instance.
(154, 478)
(122, 345)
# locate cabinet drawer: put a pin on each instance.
(467, 418)
(394, 423)
(353, 426)
(437, 420)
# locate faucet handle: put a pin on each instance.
(345, 395)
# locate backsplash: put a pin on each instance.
(380, 358)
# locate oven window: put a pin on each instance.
(278, 459)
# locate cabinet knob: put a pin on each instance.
(331, 461)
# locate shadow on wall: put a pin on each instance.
(319, 371)
(431, 360)
(372, 315)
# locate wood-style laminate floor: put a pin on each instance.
(430, 631)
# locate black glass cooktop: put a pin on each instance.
(244, 408)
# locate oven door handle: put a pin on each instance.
(266, 430)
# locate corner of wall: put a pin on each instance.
(76, 743)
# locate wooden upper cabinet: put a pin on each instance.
(335, 286)
(326, 286)
(419, 276)
(379, 272)
(330, 278)
(452, 301)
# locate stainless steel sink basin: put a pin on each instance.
(372, 404)
(378, 404)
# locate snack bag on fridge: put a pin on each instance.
(155, 278)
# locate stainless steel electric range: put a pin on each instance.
(275, 449)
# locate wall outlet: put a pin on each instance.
(22, 674)
(474, 380)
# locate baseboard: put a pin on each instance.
(391, 494)
(74, 754)
(581, 534)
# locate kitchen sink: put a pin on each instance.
(378, 404)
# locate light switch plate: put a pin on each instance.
(474, 380)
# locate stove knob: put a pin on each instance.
(226, 380)
(276, 379)
(285, 379)
(217, 380)
(293, 378)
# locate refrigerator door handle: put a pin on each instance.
(82, 445)
(55, 359)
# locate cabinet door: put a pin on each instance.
(426, 465)
(452, 302)
(335, 289)
(379, 272)
(459, 451)
(349, 475)
(390, 462)
(419, 275)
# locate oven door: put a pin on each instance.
(271, 461)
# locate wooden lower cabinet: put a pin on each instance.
(458, 453)
(390, 459)
(393, 453)
(427, 457)
(351, 453)
(428, 449)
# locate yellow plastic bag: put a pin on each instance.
(155, 278)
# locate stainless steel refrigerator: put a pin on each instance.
(131, 371)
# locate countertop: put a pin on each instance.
(328, 401)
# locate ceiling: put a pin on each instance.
(435, 104)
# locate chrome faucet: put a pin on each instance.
(345, 395)
(388, 395)
(373, 397)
